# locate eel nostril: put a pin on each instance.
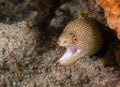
(62, 41)
(65, 42)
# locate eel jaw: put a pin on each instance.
(69, 56)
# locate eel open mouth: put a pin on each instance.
(69, 54)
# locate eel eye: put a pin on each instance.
(75, 39)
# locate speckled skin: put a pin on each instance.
(89, 37)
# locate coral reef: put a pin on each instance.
(28, 58)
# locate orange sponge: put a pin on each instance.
(112, 13)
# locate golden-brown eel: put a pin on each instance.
(81, 37)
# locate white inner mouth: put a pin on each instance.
(70, 52)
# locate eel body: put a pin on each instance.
(81, 37)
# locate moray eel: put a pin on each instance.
(81, 37)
